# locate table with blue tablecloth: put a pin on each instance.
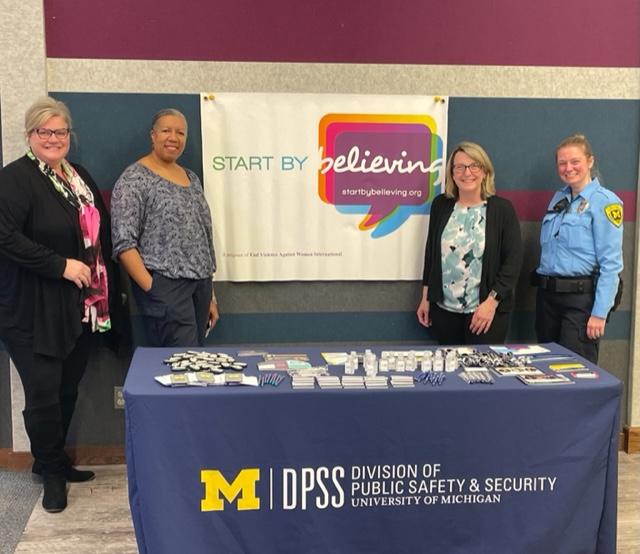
(502, 468)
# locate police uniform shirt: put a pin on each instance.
(583, 236)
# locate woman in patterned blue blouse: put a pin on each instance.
(473, 255)
(162, 236)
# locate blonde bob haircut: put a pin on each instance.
(478, 155)
(44, 109)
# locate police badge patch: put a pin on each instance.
(614, 214)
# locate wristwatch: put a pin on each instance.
(493, 294)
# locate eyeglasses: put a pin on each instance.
(46, 133)
(475, 167)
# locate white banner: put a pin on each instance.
(319, 186)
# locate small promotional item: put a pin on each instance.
(434, 378)
(569, 366)
(190, 379)
(270, 379)
(438, 361)
(426, 365)
(312, 371)
(283, 356)
(201, 369)
(335, 358)
(352, 382)
(180, 380)
(535, 380)
(328, 382)
(233, 378)
(192, 360)
(375, 382)
(303, 381)
(517, 370)
(584, 374)
(402, 381)
(476, 377)
(283, 365)
(451, 362)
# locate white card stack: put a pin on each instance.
(402, 381)
(376, 382)
(352, 382)
(302, 382)
(329, 382)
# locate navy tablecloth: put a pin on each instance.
(503, 468)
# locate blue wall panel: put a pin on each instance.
(519, 134)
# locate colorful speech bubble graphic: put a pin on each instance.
(385, 166)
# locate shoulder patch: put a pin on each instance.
(614, 213)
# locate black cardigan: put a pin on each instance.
(502, 252)
(39, 229)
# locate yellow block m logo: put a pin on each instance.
(244, 485)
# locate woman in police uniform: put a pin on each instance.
(581, 254)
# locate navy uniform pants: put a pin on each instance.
(175, 311)
(562, 317)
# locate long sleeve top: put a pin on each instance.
(39, 230)
(502, 256)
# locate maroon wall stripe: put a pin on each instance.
(531, 205)
(583, 33)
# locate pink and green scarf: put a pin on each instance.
(79, 195)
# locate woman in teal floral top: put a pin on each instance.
(473, 255)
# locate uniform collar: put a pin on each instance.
(586, 192)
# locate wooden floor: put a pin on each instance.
(629, 503)
(97, 519)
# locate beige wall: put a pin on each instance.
(23, 77)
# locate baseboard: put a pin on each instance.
(14, 460)
(81, 455)
(631, 439)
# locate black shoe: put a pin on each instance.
(74, 475)
(71, 474)
(55, 494)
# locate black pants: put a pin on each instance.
(562, 317)
(452, 328)
(50, 393)
(175, 311)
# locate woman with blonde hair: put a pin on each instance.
(581, 254)
(473, 254)
(55, 285)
